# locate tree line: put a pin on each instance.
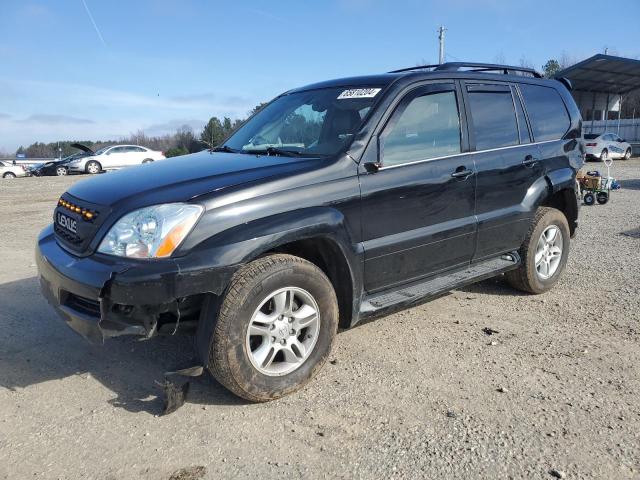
(182, 142)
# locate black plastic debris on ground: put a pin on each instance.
(634, 233)
(174, 396)
(489, 331)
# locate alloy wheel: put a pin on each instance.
(549, 252)
(283, 331)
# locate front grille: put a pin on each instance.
(68, 237)
(83, 305)
(88, 217)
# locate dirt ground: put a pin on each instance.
(424, 393)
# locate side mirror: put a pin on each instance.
(622, 140)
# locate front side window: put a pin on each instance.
(426, 127)
(309, 123)
(547, 113)
(494, 117)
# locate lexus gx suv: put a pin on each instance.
(336, 202)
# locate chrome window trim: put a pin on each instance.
(467, 153)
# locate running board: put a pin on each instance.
(406, 295)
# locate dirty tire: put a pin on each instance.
(227, 357)
(525, 277)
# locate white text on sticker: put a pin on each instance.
(359, 93)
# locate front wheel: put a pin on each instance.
(147, 160)
(274, 328)
(93, 167)
(544, 252)
(627, 154)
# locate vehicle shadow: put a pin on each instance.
(632, 184)
(36, 346)
(494, 286)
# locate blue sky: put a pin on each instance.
(154, 65)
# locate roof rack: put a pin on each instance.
(474, 67)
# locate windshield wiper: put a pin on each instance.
(283, 152)
(224, 149)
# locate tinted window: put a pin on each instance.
(427, 127)
(494, 117)
(590, 136)
(547, 113)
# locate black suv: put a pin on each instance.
(336, 202)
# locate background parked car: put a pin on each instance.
(61, 167)
(8, 170)
(114, 158)
(606, 145)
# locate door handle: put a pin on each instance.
(462, 172)
(530, 161)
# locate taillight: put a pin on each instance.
(591, 144)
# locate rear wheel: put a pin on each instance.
(9, 175)
(93, 167)
(544, 252)
(274, 328)
(61, 171)
(604, 155)
(147, 160)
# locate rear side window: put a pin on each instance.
(547, 113)
(494, 116)
(427, 127)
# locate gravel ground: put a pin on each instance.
(423, 393)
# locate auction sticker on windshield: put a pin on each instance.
(359, 93)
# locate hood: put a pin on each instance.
(183, 178)
(84, 148)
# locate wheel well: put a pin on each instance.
(327, 256)
(565, 201)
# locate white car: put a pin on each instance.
(8, 170)
(114, 158)
(605, 146)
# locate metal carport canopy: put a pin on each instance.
(604, 74)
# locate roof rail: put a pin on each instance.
(417, 67)
(475, 67)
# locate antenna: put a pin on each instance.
(441, 31)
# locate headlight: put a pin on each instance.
(151, 232)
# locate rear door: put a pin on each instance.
(418, 207)
(507, 164)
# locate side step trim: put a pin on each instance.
(416, 292)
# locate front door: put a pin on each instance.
(418, 207)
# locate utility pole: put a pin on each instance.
(441, 31)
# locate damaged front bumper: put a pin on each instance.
(101, 296)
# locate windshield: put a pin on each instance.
(310, 123)
(102, 150)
